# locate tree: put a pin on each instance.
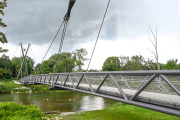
(137, 62)
(154, 43)
(171, 64)
(6, 67)
(66, 63)
(45, 67)
(2, 35)
(79, 56)
(38, 68)
(125, 63)
(16, 61)
(111, 64)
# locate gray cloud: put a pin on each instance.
(37, 22)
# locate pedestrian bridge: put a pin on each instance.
(156, 90)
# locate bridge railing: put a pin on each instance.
(126, 80)
(160, 88)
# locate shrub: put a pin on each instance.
(3, 88)
(15, 111)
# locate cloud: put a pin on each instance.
(37, 21)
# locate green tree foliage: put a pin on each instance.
(6, 67)
(65, 63)
(16, 61)
(79, 55)
(45, 67)
(171, 64)
(137, 63)
(68, 62)
(111, 64)
(2, 35)
(38, 68)
(125, 63)
(150, 65)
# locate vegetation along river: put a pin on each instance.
(65, 101)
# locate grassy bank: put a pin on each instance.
(8, 86)
(15, 111)
(121, 111)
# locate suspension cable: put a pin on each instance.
(33, 54)
(98, 35)
(52, 41)
(61, 44)
(13, 56)
(34, 59)
(15, 51)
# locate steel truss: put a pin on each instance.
(114, 85)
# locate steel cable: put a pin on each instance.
(13, 56)
(52, 41)
(98, 35)
(61, 44)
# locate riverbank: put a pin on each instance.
(8, 86)
(119, 111)
(69, 99)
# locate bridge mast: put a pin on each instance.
(24, 60)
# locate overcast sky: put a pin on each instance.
(124, 31)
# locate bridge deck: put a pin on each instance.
(151, 95)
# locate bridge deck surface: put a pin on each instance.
(150, 95)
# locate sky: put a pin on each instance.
(124, 32)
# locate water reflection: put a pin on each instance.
(91, 103)
(66, 101)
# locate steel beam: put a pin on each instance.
(102, 83)
(119, 88)
(80, 81)
(143, 87)
(171, 84)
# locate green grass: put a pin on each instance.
(15, 111)
(8, 86)
(20, 90)
(38, 88)
(121, 111)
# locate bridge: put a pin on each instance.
(157, 90)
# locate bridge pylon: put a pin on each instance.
(24, 55)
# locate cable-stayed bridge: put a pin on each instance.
(157, 90)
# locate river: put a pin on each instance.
(64, 101)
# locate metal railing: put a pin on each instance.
(157, 90)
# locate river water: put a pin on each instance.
(65, 101)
